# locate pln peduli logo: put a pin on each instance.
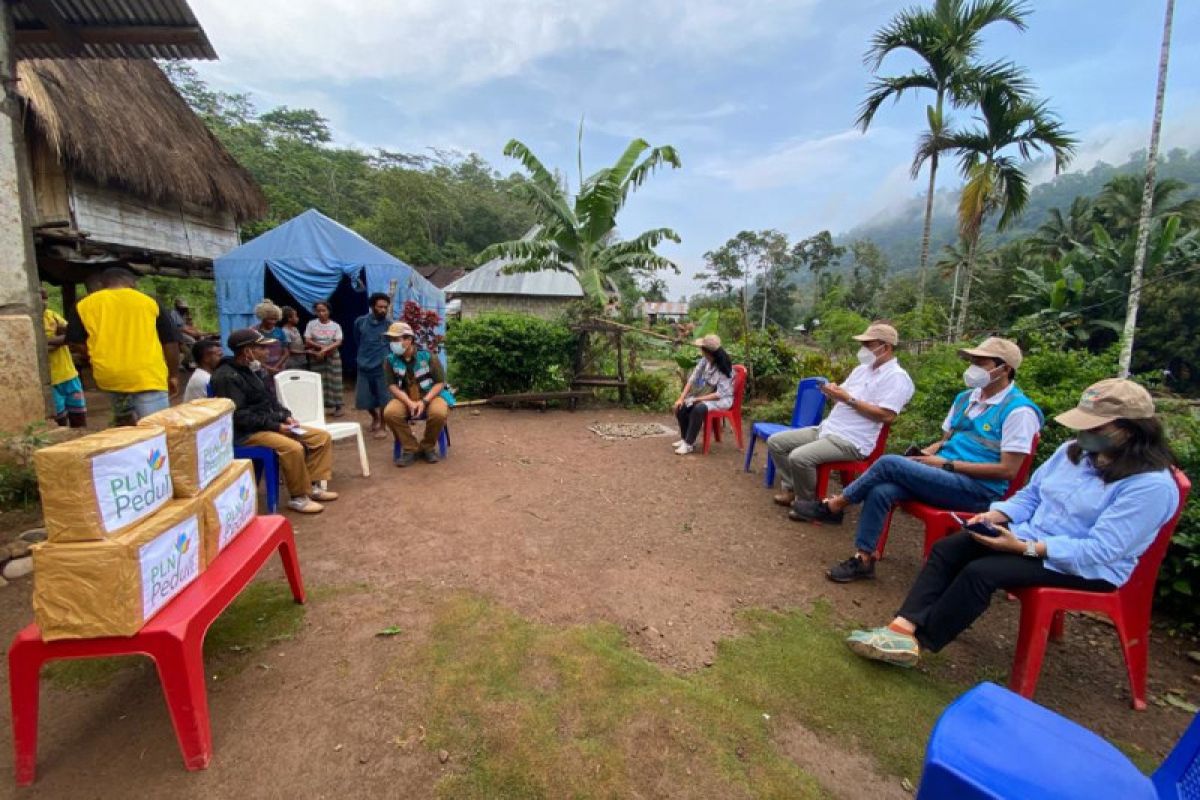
(156, 459)
(183, 544)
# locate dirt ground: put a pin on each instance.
(538, 513)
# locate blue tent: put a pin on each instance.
(313, 258)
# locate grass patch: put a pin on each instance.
(263, 614)
(531, 710)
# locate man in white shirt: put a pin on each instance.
(876, 391)
(206, 354)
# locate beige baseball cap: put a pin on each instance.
(878, 332)
(995, 347)
(1101, 403)
(398, 329)
(711, 342)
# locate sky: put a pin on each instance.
(758, 96)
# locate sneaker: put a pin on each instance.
(814, 511)
(885, 644)
(675, 444)
(684, 449)
(305, 505)
(784, 498)
(324, 495)
(852, 569)
(430, 457)
(405, 459)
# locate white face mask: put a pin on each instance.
(866, 356)
(397, 347)
(256, 365)
(977, 377)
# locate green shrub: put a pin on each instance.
(503, 353)
(1179, 577)
(646, 388)
(836, 328)
(18, 481)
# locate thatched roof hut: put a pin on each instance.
(122, 169)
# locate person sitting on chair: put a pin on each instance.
(877, 390)
(305, 454)
(417, 383)
(709, 387)
(1082, 522)
(986, 436)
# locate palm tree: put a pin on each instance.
(1143, 228)
(1064, 232)
(579, 234)
(947, 39)
(1011, 121)
(1120, 203)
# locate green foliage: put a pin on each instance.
(504, 353)
(18, 481)
(1179, 577)
(836, 328)
(772, 362)
(647, 388)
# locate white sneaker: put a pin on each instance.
(683, 449)
(675, 444)
(305, 505)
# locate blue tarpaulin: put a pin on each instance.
(309, 256)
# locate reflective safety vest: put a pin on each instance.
(421, 373)
(978, 440)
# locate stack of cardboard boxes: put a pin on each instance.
(133, 516)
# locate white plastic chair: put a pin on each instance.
(302, 393)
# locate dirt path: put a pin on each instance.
(536, 512)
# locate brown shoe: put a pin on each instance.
(784, 498)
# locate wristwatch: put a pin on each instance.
(1031, 549)
(948, 466)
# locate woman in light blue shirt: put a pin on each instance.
(1082, 522)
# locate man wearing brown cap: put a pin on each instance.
(877, 390)
(305, 454)
(986, 436)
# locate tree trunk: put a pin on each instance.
(763, 326)
(1143, 236)
(928, 226)
(963, 302)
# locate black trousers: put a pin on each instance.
(691, 421)
(956, 584)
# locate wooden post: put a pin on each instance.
(70, 298)
(620, 368)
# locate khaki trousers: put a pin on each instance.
(798, 453)
(304, 459)
(395, 416)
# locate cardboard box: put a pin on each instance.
(229, 503)
(100, 485)
(199, 441)
(82, 590)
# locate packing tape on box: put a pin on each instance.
(229, 503)
(199, 440)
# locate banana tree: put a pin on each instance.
(578, 233)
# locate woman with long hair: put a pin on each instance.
(709, 387)
(324, 338)
(1082, 522)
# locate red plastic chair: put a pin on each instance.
(174, 638)
(939, 522)
(712, 422)
(1128, 607)
(849, 470)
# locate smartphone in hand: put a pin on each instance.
(982, 528)
(914, 450)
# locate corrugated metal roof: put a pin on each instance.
(110, 29)
(665, 308)
(490, 279)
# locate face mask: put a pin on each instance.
(397, 347)
(976, 377)
(1096, 443)
(256, 365)
(865, 356)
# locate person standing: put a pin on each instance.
(417, 383)
(70, 407)
(275, 351)
(305, 454)
(132, 343)
(297, 351)
(324, 339)
(371, 389)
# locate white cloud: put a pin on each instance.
(469, 42)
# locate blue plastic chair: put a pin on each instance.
(266, 463)
(992, 743)
(806, 412)
(266, 468)
(443, 443)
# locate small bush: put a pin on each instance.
(646, 388)
(18, 481)
(1179, 577)
(505, 353)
